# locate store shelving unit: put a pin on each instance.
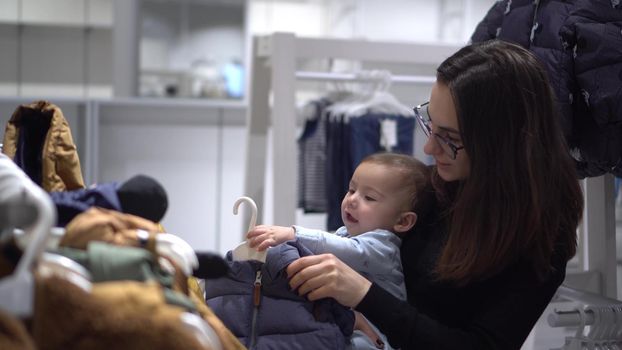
(58, 48)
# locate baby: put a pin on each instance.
(384, 196)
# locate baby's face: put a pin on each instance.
(373, 201)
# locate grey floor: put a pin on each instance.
(544, 337)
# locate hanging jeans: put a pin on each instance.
(338, 168)
(312, 161)
(349, 141)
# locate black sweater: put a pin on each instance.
(496, 313)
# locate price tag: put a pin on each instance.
(388, 134)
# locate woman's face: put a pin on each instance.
(444, 122)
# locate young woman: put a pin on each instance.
(481, 268)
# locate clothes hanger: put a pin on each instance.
(359, 92)
(178, 250)
(203, 332)
(380, 100)
(168, 245)
(338, 91)
(610, 327)
(244, 251)
(52, 264)
(54, 236)
(17, 289)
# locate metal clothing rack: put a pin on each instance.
(23, 203)
(334, 76)
(598, 320)
(596, 251)
(273, 73)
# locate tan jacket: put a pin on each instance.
(98, 224)
(60, 163)
(13, 334)
(123, 315)
(104, 225)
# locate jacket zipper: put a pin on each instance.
(256, 302)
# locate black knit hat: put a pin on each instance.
(143, 196)
(211, 265)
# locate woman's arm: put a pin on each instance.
(323, 276)
(504, 316)
(503, 320)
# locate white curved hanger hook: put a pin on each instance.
(243, 251)
(250, 202)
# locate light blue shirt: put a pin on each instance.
(374, 254)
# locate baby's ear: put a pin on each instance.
(405, 222)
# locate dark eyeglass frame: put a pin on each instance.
(449, 147)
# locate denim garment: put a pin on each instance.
(71, 203)
(349, 140)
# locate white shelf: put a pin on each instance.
(48, 24)
(58, 13)
(59, 48)
(175, 102)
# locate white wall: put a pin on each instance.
(450, 21)
(195, 151)
(398, 20)
(303, 18)
(9, 73)
(58, 48)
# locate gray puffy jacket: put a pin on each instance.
(256, 303)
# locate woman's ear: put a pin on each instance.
(405, 222)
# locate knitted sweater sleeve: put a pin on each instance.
(504, 320)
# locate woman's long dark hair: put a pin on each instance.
(522, 199)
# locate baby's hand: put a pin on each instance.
(264, 236)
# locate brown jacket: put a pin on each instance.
(13, 334)
(104, 225)
(59, 163)
(114, 315)
(98, 224)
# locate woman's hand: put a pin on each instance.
(264, 236)
(322, 276)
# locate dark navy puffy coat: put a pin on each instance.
(70, 204)
(271, 315)
(580, 44)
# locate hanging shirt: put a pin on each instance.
(312, 160)
(349, 141)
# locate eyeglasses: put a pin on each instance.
(421, 113)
